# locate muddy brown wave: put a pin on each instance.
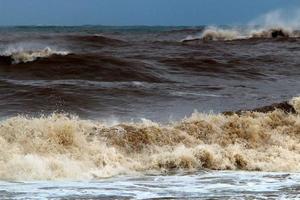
(82, 66)
(66, 147)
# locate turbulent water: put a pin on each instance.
(135, 112)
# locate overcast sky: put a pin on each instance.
(136, 12)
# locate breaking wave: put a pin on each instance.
(219, 34)
(65, 147)
(274, 33)
(20, 55)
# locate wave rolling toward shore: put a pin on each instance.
(60, 146)
(21, 55)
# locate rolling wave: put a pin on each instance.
(48, 64)
(212, 67)
(65, 147)
(94, 40)
(20, 55)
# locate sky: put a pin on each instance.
(137, 12)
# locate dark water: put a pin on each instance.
(133, 72)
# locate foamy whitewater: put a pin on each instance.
(276, 24)
(60, 147)
(21, 55)
(221, 34)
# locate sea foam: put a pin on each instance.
(23, 55)
(60, 146)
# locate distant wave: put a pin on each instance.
(20, 55)
(219, 34)
(65, 147)
(94, 40)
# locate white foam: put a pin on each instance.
(23, 55)
(212, 184)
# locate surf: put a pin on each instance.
(21, 55)
(61, 146)
(221, 34)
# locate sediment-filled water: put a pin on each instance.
(136, 112)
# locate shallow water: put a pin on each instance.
(198, 185)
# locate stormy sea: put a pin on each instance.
(103, 112)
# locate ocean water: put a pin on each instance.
(97, 112)
(200, 185)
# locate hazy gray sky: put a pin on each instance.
(136, 12)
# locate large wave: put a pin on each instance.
(65, 147)
(49, 64)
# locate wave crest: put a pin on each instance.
(65, 147)
(20, 55)
(218, 34)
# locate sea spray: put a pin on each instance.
(274, 24)
(219, 34)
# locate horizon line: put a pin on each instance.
(138, 25)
